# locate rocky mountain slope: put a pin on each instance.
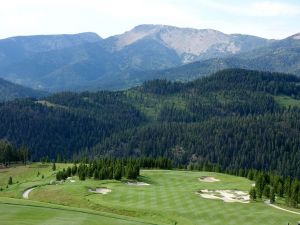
(280, 56)
(189, 44)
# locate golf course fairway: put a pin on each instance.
(161, 197)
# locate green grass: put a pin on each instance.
(151, 104)
(31, 213)
(25, 177)
(286, 101)
(169, 199)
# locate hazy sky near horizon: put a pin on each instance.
(269, 19)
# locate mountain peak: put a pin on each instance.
(190, 44)
(147, 27)
(296, 36)
(162, 27)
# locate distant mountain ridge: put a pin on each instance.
(280, 56)
(88, 62)
(10, 91)
(16, 48)
(190, 44)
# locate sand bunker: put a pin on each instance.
(208, 179)
(102, 191)
(138, 183)
(71, 179)
(27, 192)
(226, 195)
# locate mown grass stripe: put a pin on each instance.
(79, 211)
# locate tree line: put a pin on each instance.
(10, 153)
(112, 168)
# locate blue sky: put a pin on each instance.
(270, 19)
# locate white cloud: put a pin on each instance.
(109, 17)
(274, 9)
(68, 16)
(256, 9)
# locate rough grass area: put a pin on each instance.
(169, 199)
(152, 104)
(286, 101)
(33, 213)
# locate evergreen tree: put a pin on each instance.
(53, 166)
(260, 185)
(96, 174)
(117, 172)
(279, 189)
(69, 171)
(266, 191)
(74, 170)
(295, 188)
(252, 194)
(10, 181)
(58, 176)
(272, 196)
(82, 171)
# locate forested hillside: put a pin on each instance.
(80, 121)
(235, 118)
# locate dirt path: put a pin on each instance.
(27, 192)
(277, 207)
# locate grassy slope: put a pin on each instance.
(18, 211)
(286, 101)
(25, 177)
(151, 104)
(170, 198)
(15, 211)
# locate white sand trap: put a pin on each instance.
(71, 179)
(27, 192)
(102, 191)
(226, 195)
(208, 179)
(138, 184)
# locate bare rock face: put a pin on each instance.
(190, 44)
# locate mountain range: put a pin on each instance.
(88, 62)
